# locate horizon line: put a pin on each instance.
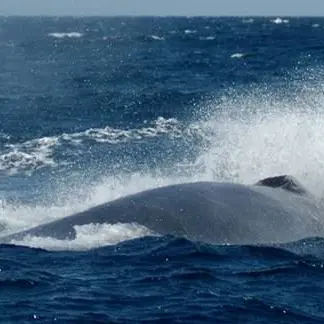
(159, 16)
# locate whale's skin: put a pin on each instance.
(272, 211)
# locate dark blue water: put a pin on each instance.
(92, 109)
(162, 280)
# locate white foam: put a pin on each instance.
(190, 31)
(279, 20)
(38, 153)
(4, 136)
(155, 37)
(316, 25)
(66, 35)
(207, 38)
(28, 156)
(17, 217)
(111, 135)
(237, 55)
(89, 236)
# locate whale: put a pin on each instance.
(274, 210)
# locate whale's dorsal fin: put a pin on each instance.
(285, 182)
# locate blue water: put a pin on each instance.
(97, 108)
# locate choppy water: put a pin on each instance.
(96, 108)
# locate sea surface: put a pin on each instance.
(92, 109)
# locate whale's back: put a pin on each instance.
(204, 211)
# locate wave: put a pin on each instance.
(111, 135)
(190, 31)
(207, 38)
(28, 156)
(4, 136)
(279, 20)
(111, 38)
(38, 153)
(248, 21)
(66, 35)
(237, 55)
(160, 38)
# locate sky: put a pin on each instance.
(163, 7)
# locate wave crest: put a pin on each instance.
(66, 35)
(38, 153)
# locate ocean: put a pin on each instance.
(93, 109)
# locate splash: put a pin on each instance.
(15, 216)
(89, 237)
(265, 133)
(247, 135)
